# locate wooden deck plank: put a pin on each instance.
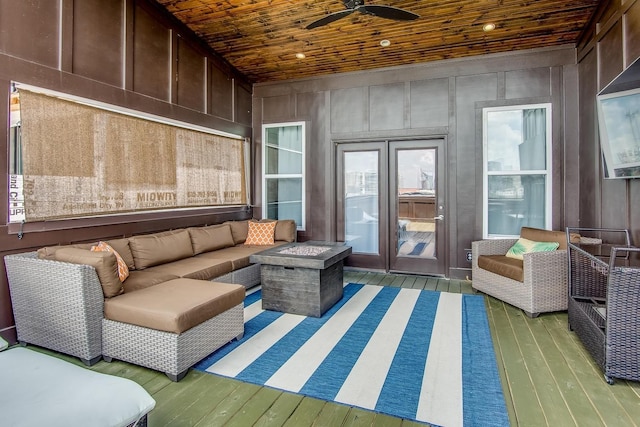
(359, 418)
(383, 420)
(544, 383)
(610, 403)
(397, 281)
(280, 411)
(432, 284)
(254, 409)
(577, 399)
(409, 281)
(375, 279)
(231, 404)
(466, 288)
(525, 402)
(442, 285)
(332, 414)
(420, 282)
(306, 413)
(454, 286)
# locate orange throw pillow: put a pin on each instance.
(261, 233)
(123, 270)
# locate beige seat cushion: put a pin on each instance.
(140, 279)
(238, 255)
(195, 268)
(503, 266)
(174, 306)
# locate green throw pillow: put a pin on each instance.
(525, 246)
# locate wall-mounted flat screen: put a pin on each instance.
(619, 122)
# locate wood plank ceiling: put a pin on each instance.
(262, 37)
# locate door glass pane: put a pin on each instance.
(361, 201)
(416, 202)
(284, 198)
(516, 201)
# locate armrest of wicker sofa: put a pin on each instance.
(56, 305)
(546, 274)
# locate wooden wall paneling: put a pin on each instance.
(632, 33)
(589, 159)
(243, 95)
(348, 110)
(429, 103)
(528, 83)
(151, 55)
(614, 203)
(386, 106)
(98, 43)
(220, 92)
(191, 76)
(571, 141)
(278, 109)
(469, 91)
(40, 20)
(320, 182)
(610, 61)
(558, 133)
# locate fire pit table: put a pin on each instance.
(302, 278)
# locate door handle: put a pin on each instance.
(439, 217)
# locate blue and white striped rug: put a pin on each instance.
(420, 355)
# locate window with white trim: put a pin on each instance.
(283, 171)
(516, 169)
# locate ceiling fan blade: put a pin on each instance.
(389, 12)
(329, 18)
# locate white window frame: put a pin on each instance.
(265, 176)
(486, 173)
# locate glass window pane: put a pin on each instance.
(285, 137)
(361, 201)
(516, 201)
(282, 161)
(516, 140)
(284, 198)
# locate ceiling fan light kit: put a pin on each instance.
(387, 12)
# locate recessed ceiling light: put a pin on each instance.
(300, 55)
(489, 27)
(385, 43)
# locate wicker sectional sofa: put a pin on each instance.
(183, 297)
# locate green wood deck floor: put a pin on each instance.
(547, 376)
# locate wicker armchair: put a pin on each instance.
(544, 288)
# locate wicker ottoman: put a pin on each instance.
(171, 326)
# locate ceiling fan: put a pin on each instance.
(388, 12)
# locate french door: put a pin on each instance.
(391, 205)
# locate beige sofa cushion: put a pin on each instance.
(503, 266)
(49, 252)
(211, 238)
(122, 247)
(174, 306)
(195, 268)
(286, 230)
(105, 264)
(140, 279)
(239, 230)
(539, 235)
(160, 248)
(238, 255)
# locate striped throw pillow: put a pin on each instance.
(525, 246)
